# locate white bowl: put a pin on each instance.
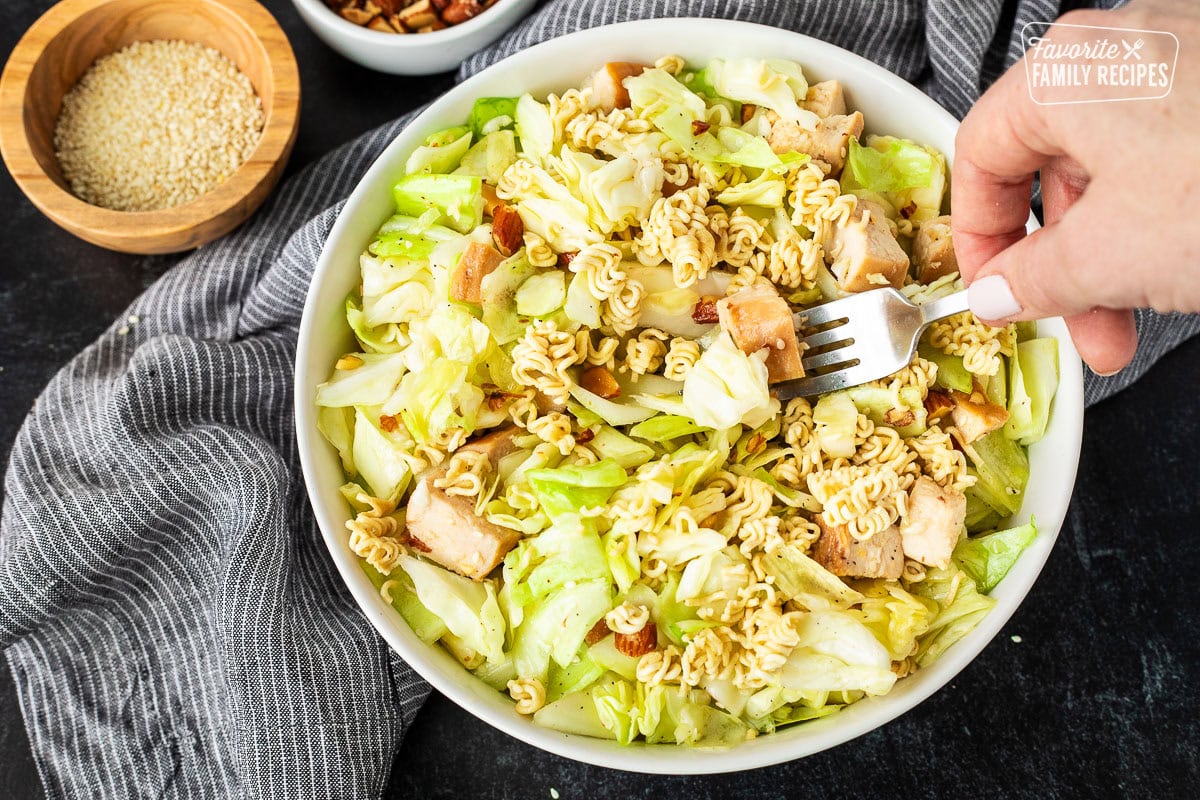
(891, 105)
(411, 53)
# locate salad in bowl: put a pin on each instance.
(564, 460)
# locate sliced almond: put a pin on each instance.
(937, 405)
(507, 229)
(460, 11)
(599, 381)
(419, 14)
(598, 632)
(637, 644)
(381, 24)
(356, 15)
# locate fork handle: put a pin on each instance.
(943, 307)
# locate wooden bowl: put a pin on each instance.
(56, 51)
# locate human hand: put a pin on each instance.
(1120, 191)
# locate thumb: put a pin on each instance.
(1083, 261)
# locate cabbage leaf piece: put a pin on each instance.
(468, 608)
(726, 387)
(988, 558)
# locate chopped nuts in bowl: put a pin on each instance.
(371, 32)
(409, 16)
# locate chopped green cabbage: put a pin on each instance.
(656, 90)
(606, 654)
(336, 424)
(955, 619)
(625, 412)
(896, 617)
(441, 152)
(534, 128)
(541, 294)
(368, 385)
(836, 652)
(555, 626)
(490, 156)
(574, 677)
(458, 199)
(425, 624)
(810, 584)
(726, 387)
(377, 457)
(951, 373)
(665, 427)
(468, 608)
(498, 291)
(573, 713)
(609, 443)
(767, 190)
(987, 559)
(773, 83)
(1003, 470)
(490, 114)
(574, 489)
(835, 418)
(890, 164)
(1033, 378)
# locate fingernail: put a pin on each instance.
(991, 298)
(1105, 374)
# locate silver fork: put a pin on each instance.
(861, 338)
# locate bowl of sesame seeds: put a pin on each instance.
(149, 126)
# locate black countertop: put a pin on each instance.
(1089, 691)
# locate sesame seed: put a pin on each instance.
(155, 125)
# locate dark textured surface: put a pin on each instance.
(1097, 699)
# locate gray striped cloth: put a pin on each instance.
(170, 614)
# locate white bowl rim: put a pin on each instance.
(796, 741)
(403, 41)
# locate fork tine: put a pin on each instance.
(823, 338)
(839, 356)
(820, 315)
(829, 382)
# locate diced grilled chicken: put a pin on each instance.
(828, 143)
(933, 250)
(974, 416)
(495, 445)
(445, 529)
(933, 524)
(825, 99)
(608, 88)
(477, 262)
(863, 254)
(881, 556)
(757, 317)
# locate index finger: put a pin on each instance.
(1002, 142)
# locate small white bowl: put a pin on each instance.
(411, 53)
(891, 105)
